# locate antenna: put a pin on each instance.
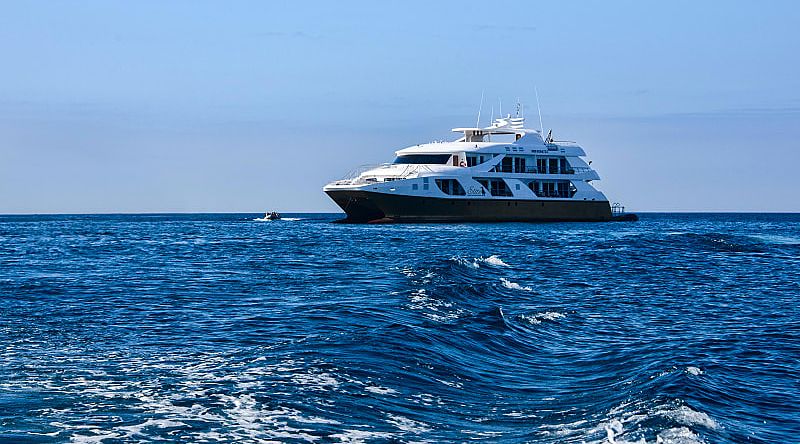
(478, 122)
(501, 107)
(539, 109)
(491, 123)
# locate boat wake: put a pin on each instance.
(285, 219)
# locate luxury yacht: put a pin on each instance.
(503, 172)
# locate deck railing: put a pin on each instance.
(356, 176)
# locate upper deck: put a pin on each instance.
(510, 138)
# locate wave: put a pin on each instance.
(538, 318)
(635, 422)
(469, 263)
(513, 285)
(723, 242)
(492, 260)
(434, 308)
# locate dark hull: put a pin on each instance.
(371, 207)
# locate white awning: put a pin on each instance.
(577, 162)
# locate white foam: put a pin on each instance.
(613, 428)
(537, 318)
(684, 415)
(136, 429)
(677, 435)
(513, 285)
(624, 424)
(494, 260)
(465, 262)
(694, 371)
(358, 436)
(434, 309)
(453, 384)
(380, 390)
(407, 424)
(315, 380)
(97, 438)
(289, 219)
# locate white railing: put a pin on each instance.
(356, 176)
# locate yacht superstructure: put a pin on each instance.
(520, 177)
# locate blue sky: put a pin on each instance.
(247, 106)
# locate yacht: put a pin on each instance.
(501, 173)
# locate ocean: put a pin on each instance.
(679, 328)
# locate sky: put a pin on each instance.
(200, 106)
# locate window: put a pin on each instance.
(519, 164)
(496, 187)
(414, 186)
(451, 187)
(553, 188)
(506, 165)
(541, 165)
(436, 159)
(553, 166)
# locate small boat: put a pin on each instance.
(272, 216)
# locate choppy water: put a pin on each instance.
(678, 328)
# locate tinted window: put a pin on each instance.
(440, 159)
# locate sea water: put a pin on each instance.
(207, 328)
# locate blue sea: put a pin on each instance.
(679, 328)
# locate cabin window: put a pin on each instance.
(451, 187)
(507, 164)
(553, 166)
(474, 159)
(541, 165)
(553, 188)
(519, 164)
(416, 159)
(496, 187)
(414, 186)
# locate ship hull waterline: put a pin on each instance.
(375, 207)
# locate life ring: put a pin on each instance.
(462, 164)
